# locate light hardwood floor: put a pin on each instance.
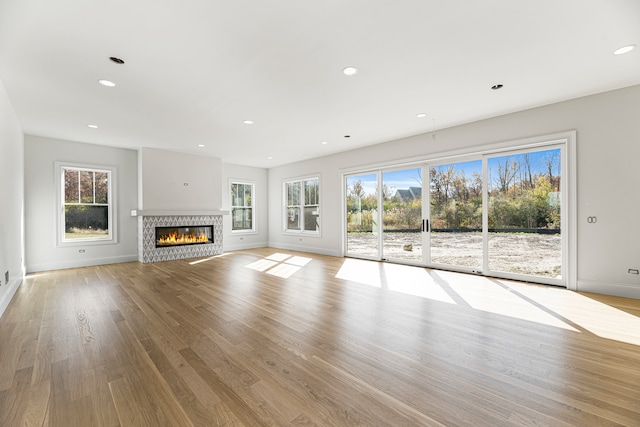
(272, 337)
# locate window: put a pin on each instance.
(303, 205)
(86, 196)
(242, 205)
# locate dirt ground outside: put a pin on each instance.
(521, 253)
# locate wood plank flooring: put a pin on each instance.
(268, 337)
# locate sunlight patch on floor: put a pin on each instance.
(284, 270)
(299, 261)
(280, 265)
(594, 316)
(210, 258)
(278, 257)
(34, 275)
(482, 293)
(414, 281)
(262, 265)
(360, 271)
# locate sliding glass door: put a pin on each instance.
(402, 215)
(497, 214)
(455, 215)
(385, 215)
(524, 213)
(363, 238)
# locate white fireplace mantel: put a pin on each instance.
(162, 212)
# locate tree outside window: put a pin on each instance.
(242, 205)
(86, 204)
(303, 205)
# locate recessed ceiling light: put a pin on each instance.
(200, 145)
(624, 49)
(107, 83)
(324, 142)
(350, 71)
(248, 122)
(269, 157)
(421, 115)
(93, 126)
(116, 60)
(496, 87)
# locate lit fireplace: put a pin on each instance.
(187, 235)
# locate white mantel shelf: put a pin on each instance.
(161, 212)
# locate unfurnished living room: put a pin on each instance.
(341, 213)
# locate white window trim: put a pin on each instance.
(254, 227)
(285, 207)
(59, 205)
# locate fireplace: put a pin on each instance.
(184, 235)
(154, 225)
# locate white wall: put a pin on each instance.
(11, 201)
(42, 251)
(179, 181)
(608, 153)
(259, 177)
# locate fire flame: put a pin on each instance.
(176, 239)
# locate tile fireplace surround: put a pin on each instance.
(148, 221)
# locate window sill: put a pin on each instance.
(302, 233)
(243, 232)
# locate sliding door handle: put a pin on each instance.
(425, 225)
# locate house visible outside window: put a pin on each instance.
(242, 206)
(86, 196)
(302, 205)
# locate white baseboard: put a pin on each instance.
(615, 289)
(8, 296)
(244, 246)
(32, 268)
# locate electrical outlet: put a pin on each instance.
(633, 271)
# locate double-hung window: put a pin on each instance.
(302, 198)
(242, 207)
(86, 211)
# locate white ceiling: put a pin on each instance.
(196, 69)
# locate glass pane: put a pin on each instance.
(234, 194)
(311, 218)
(311, 196)
(293, 193)
(242, 219)
(241, 195)
(247, 194)
(83, 222)
(456, 214)
(71, 186)
(86, 187)
(402, 214)
(524, 213)
(102, 187)
(293, 218)
(362, 215)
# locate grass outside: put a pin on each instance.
(84, 233)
